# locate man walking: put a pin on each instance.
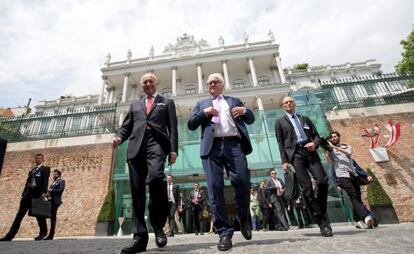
(224, 144)
(298, 140)
(151, 129)
(55, 193)
(276, 189)
(173, 191)
(36, 187)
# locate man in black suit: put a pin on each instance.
(225, 143)
(276, 189)
(36, 187)
(151, 130)
(55, 194)
(197, 199)
(265, 205)
(173, 191)
(298, 141)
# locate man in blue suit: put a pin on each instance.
(55, 193)
(224, 143)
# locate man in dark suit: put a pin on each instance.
(55, 194)
(151, 129)
(298, 141)
(264, 203)
(197, 199)
(36, 187)
(276, 188)
(173, 191)
(224, 143)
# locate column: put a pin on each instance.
(174, 81)
(121, 118)
(280, 69)
(200, 78)
(265, 126)
(249, 74)
(134, 91)
(101, 95)
(125, 88)
(253, 72)
(111, 95)
(226, 75)
(107, 95)
(275, 74)
(259, 103)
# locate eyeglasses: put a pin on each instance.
(214, 82)
(286, 102)
(273, 173)
(148, 81)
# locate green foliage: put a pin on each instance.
(107, 212)
(302, 66)
(377, 197)
(406, 65)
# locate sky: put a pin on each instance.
(54, 48)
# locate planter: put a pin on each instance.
(379, 154)
(385, 215)
(105, 228)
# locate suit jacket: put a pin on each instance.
(162, 120)
(286, 136)
(200, 198)
(41, 176)
(57, 187)
(176, 193)
(263, 198)
(271, 187)
(207, 126)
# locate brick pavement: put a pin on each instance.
(347, 239)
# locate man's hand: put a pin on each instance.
(369, 178)
(286, 167)
(49, 189)
(238, 111)
(210, 111)
(171, 158)
(339, 188)
(43, 196)
(310, 146)
(116, 141)
(270, 205)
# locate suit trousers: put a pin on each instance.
(148, 168)
(353, 189)
(278, 208)
(227, 154)
(197, 218)
(267, 212)
(25, 204)
(306, 162)
(53, 216)
(172, 207)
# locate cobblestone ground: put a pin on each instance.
(347, 239)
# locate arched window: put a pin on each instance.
(263, 80)
(238, 83)
(166, 92)
(190, 89)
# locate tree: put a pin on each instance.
(406, 64)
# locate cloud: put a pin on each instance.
(52, 48)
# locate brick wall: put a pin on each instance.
(397, 175)
(86, 170)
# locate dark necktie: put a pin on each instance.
(300, 128)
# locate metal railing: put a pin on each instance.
(68, 123)
(365, 91)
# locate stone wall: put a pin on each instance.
(397, 175)
(86, 169)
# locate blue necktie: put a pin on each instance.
(300, 128)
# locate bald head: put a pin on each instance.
(288, 104)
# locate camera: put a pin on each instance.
(323, 143)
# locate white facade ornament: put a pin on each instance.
(108, 59)
(271, 35)
(221, 41)
(186, 44)
(151, 52)
(129, 55)
(245, 38)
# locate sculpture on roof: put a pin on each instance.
(271, 35)
(186, 43)
(108, 58)
(129, 55)
(151, 52)
(245, 37)
(221, 41)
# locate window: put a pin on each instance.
(190, 89)
(238, 84)
(44, 125)
(263, 80)
(349, 93)
(166, 93)
(76, 123)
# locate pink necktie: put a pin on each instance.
(217, 106)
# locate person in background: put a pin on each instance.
(254, 209)
(35, 187)
(55, 195)
(264, 204)
(276, 188)
(197, 197)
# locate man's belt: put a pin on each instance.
(234, 138)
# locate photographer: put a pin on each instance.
(339, 155)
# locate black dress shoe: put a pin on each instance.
(139, 244)
(48, 238)
(325, 231)
(160, 238)
(5, 239)
(39, 237)
(224, 244)
(246, 231)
